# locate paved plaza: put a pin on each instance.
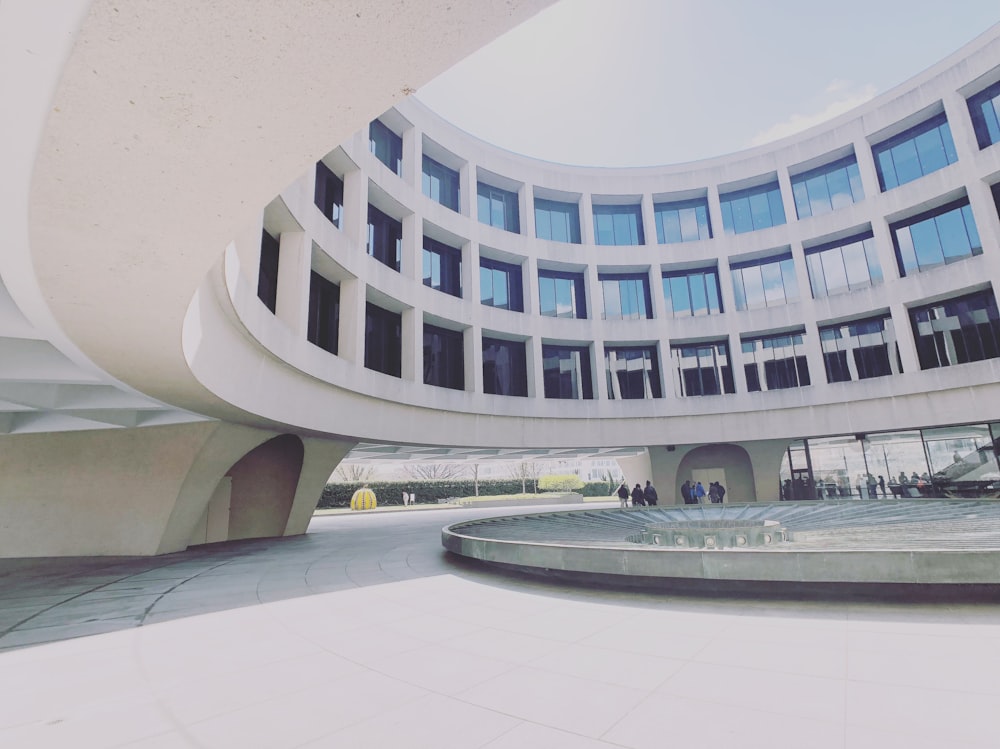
(365, 633)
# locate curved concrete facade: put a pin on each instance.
(162, 142)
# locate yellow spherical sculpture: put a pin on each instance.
(364, 499)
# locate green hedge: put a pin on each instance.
(428, 492)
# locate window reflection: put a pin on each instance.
(702, 369)
(766, 282)
(752, 209)
(922, 149)
(683, 221)
(632, 372)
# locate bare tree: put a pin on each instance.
(350, 472)
(525, 471)
(474, 472)
(434, 471)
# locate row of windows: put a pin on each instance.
(919, 150)
(955, 331)
(928, 240)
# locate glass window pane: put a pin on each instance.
(681, 297)
(699, 301)
(856, 265)
(753, 286)
(760, 211)
(819, 195)
(689, 224)
(817, 282)
(741, 215)
(789, 281)
(954, 239)
(712, 282)
(840, 189)
(672, 227)
(776, 206)
(907, 253)
(906, 162)
(857, 190)
(886, 170)
(774, 289)
(801, 197)
(926, 243)
(930, 151)
(739, 290)
(874, 269)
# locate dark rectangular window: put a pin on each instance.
(702, 369)
(633, 373)
(765, 282)
(440, 183)
(444, 358)
(498, 208)
(922, 149)
(442, 267)
(938, 237)
(957, 331)
(505, 367)
(626, 296)
(782, 358)
(557, 221)
(386, 145)
(984, 108)
(383, 340)
(566, 372)
(827, 188)
(682, 221)
(267, 275)
(860, 350)
(752, 209)
(324, 313)
(618, 225)
(500, 285)
(561, 294)
(329, 193)
(692, 293)
(385, 238)
(844, 265)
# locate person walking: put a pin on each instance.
(649, 495)
(637, 498)
(686, 493)
(623, 496)
(721, 491)
(699, 493)
(713, 493)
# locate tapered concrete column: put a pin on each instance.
(637, 470)
(411, 252)
(467, 195)
(351, 341)
(412, 354)
(866, 167)
(766, 457)
(533, 354)
(529, 284)
(586, 219)
(320, 458)
(648, 218)
(355, 216)
(294, 265)
(904, 337)
(787, 196)
(472, 350)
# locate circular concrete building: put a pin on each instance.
(207, 308)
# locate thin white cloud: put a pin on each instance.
(841, 97)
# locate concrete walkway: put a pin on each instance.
(363, 633)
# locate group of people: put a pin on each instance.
(640, 497)
(694, 494)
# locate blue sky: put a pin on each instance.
(646, 82)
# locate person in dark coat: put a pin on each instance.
(623, 496)
(637, 497)
(686, 493)
(649, 494)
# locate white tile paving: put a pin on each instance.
(450, 656)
